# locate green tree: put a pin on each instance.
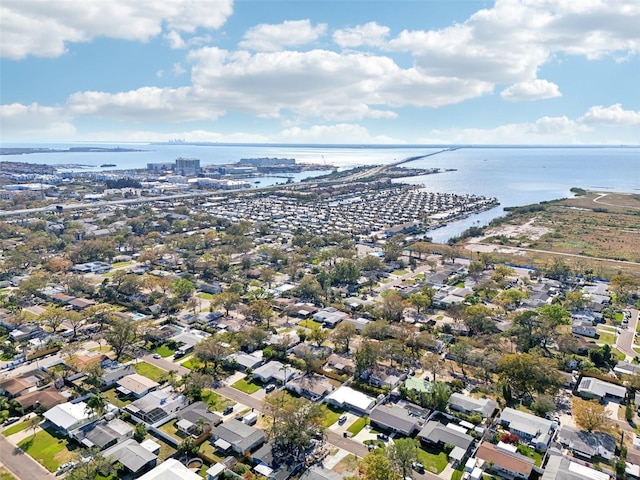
(393, 248)
(543, 405)
(318, 336)
(420, 300)
(588, 414)
(401, 454)
(392, 308)
(343, 334)
(228, 300)
(527, 374)
(309, 288)
(120, 336)
(97, 404)
(140, 432)
(90, 465)
(53, 317)
(377, 466)
(461, 351)
(438, 397)
(183, 288)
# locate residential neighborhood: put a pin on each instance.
(210, 340)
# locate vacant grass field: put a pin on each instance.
(150, 371)
(204, 296)
(48, 448)
(246, 385)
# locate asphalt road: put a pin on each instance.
(20, 464)
(626, 336)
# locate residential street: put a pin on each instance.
(20, 464)
(627, 335)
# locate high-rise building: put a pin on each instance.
(188, 167)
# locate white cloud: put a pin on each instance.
(143, 136)
(534, 90)
(509, 42)
(44, 27)
(176, 42)
(274, 37)
(338, 133)
(613, 115)
(178, 69)
(159, 73)
(145, 104)
(369, 34)
(28, 121)
(545, 130)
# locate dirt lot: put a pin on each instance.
(594, 226)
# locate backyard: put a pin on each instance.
(49, 448)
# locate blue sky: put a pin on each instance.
(321, 71)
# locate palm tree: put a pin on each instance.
(97, 404)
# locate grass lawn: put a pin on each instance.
(18, 427)
(216, 402)
(357, 426)
(150, 371)
(101, 349)
(113, 398)
(246, 386)
(166, 450)
(122, 264)
(5, 475)
(433, 461)
(637, 350)
(331, 414)
(618, 354)
(310, 324)
(192, 364)
(605, 337)
(204, 296)
(48, 449)
(400, 272)
(531, 453)
(164, 351)
(457, 474)
(170, 428)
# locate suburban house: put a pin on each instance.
(438, 435)
(595, 388)
(505, 463)
(350, 399)
(587, 444)
(14, 387)
(562, 468)
(190, 417)
(529, 428)
(468, 405)
(243, 361)
(170, 469)
(318, 472)
(394, 418)
(133, 456)
(312, 386)
(626, 368)
(68, 416)
(381, 376)
(103, 434)
(112, 374)
(329, 317)
(136, 385)
(340, 363)
(584, 328)
(275, 370)
(237, 436)
(46, 398)
(156, 405)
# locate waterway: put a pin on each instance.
(515, 175)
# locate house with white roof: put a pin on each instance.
(468, 405)
(529, 428)
(67, 417)
(170, 469)
(350, 399)
(595, 388)
(156, 405)
(562, 468)
(136, 385)
(275, 370)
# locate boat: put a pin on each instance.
(108, 165)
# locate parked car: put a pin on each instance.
(270, 388)
(228, 410)
(382, 437)
(11, 420)
(342, 419)
(157, 355)
(418, 467)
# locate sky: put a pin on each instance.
(321, 71)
